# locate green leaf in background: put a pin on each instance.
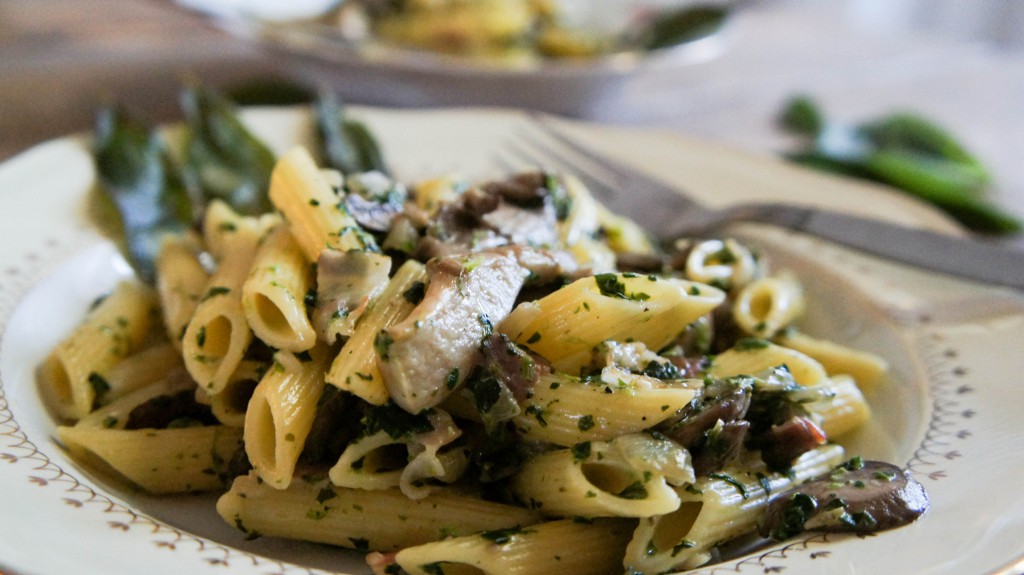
(223, 159)
(802, 116)
(270, 91)
(905, 151)
(347, 145)
(677, 26)
(136, 176)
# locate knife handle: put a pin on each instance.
(959, 256)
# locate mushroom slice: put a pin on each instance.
(858, 496)
(427, 355)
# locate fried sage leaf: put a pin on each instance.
(136, 176)
(347, 144)
(223, 159)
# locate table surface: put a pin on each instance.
(59, 59)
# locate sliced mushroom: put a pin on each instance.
(542, 266)
(524, 226)
(346, 281)
(858, 496)
(427, 355)
(371, 215)
(513, 366)
(712, 426)
(519, 210)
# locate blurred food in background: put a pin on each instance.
(905, 150)
(513, 31)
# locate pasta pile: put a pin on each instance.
(500, 378)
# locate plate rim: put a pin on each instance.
(44, 265)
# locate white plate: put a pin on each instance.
(950, 411)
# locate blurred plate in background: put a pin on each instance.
(365, 68)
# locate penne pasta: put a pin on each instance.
(73, 378)
(845, 411)
(312, 209)
(628, 476)
(866, 368)
(565, 411)
(218, 334)
(752, 356)
(767, 305)
(724, 263)
(355, 368)
(715, 509)
(139, 369)
(179, 460)
(565, 546)
(280, 414)
(229, 406)
(383, 520)
(568, 324)
(180, 282)
(274, 294)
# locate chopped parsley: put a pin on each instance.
(581, 451)
(215, 291)
(635, 490)
(453, 378)
(610, 286)
(731, 481)
(99, 384)
(799, 509)
(415, 293)
(382, 344)
(665, 370)
(751, 344)
(325, 494)
(395, 421)
(503, 536)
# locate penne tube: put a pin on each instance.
(767, 305)
(115, 414)
(581, 223)
(383, 520)
(433, 193)
(629, 476)
(714, 509)
(866, 368)
(179, 460)
(565, 410)
(751, 356)
(355, 367)
(180, 282)
(564, 546)
(725, 263)
(845, 411)
(218, 334)
(274, 294)
(142, 368)
(73, 378)
(229, 406)
(413, 461)
(281, 413)
(566, 325)
(312, 209)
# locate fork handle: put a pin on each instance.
(958, 256)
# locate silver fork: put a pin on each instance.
(627, 191)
